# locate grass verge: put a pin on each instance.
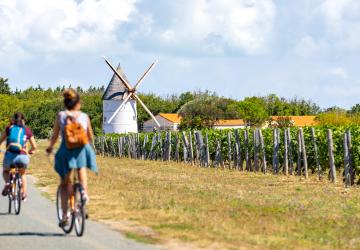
(215, 208)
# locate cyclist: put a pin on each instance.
(16, 136)
(66, 158)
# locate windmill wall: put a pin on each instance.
(124, 122)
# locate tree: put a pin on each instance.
(253, 111)
(205, 110)
(355, 109)
(4, 86)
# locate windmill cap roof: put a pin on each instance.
(116, 89)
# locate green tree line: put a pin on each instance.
(199, 109)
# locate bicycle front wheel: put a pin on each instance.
(66, 227)
(79, 212)
(17, 196)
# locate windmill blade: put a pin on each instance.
(145, 74)
(118, 75)
(119, 108)
(146, 109)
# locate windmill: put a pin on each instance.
(119, 102)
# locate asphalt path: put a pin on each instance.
(36, 228)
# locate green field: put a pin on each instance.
(159, 202)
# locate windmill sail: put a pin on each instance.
(116, 89)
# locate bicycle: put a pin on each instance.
(76, 208)
(14, 193)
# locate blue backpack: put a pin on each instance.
(16, 138)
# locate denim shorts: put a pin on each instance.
(18, 160)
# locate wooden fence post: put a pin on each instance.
(347, 176)
(263, 152)
(191, 149)
(256, 148)
(331, 156)
(291, 162)
(286, 160)
(299, 154)
(316, 154)
(177, 147)
(238, 150)
(185, 146)
(276, 151)
(351, 159)
(303, 150)
(207, 159)
(246, 143)
(218, 155)
(229, 148)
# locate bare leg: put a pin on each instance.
(23, 179)
(6, 175)
(66, 191)
(83, 178)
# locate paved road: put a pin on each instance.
(36, 228)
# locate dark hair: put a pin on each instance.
(19, 118)
(71, 98)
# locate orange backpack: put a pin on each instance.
(75, 135)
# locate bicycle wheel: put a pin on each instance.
(17, 196)
(66, 228)
(79, 212)
(10, 202)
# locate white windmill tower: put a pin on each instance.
(119, 103)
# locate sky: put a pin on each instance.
(305, 48)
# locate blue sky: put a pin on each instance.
(238, 48)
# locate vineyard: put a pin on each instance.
(324, 151)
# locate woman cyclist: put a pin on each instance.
(78, 158)
(16, 136)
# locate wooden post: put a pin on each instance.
(291, 162)
(347, 176)
(168, 156)
(303, 150)
(316, 154)
(207, 159)
(151, 154)
(299, 154)
(218, 155)
(238, 150)
(286, 160)
(246, 143)
(351, 159)
(276, 151)
(263, 152)
(256, 147)
(229, 148)
(191, 153)
(331, 156)
(177, 147)
(202, 150)
(160, 151)
(185, 146)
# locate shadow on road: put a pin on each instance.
(33, 234)
(5, 214)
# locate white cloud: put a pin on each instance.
(42, 26)
(306, 47)
(339, 72)
(342, 19)
(212, 26)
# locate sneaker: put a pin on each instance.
(6, 189)
(65, 222)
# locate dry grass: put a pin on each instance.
(218, 208)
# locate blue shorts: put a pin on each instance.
(18, 160)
